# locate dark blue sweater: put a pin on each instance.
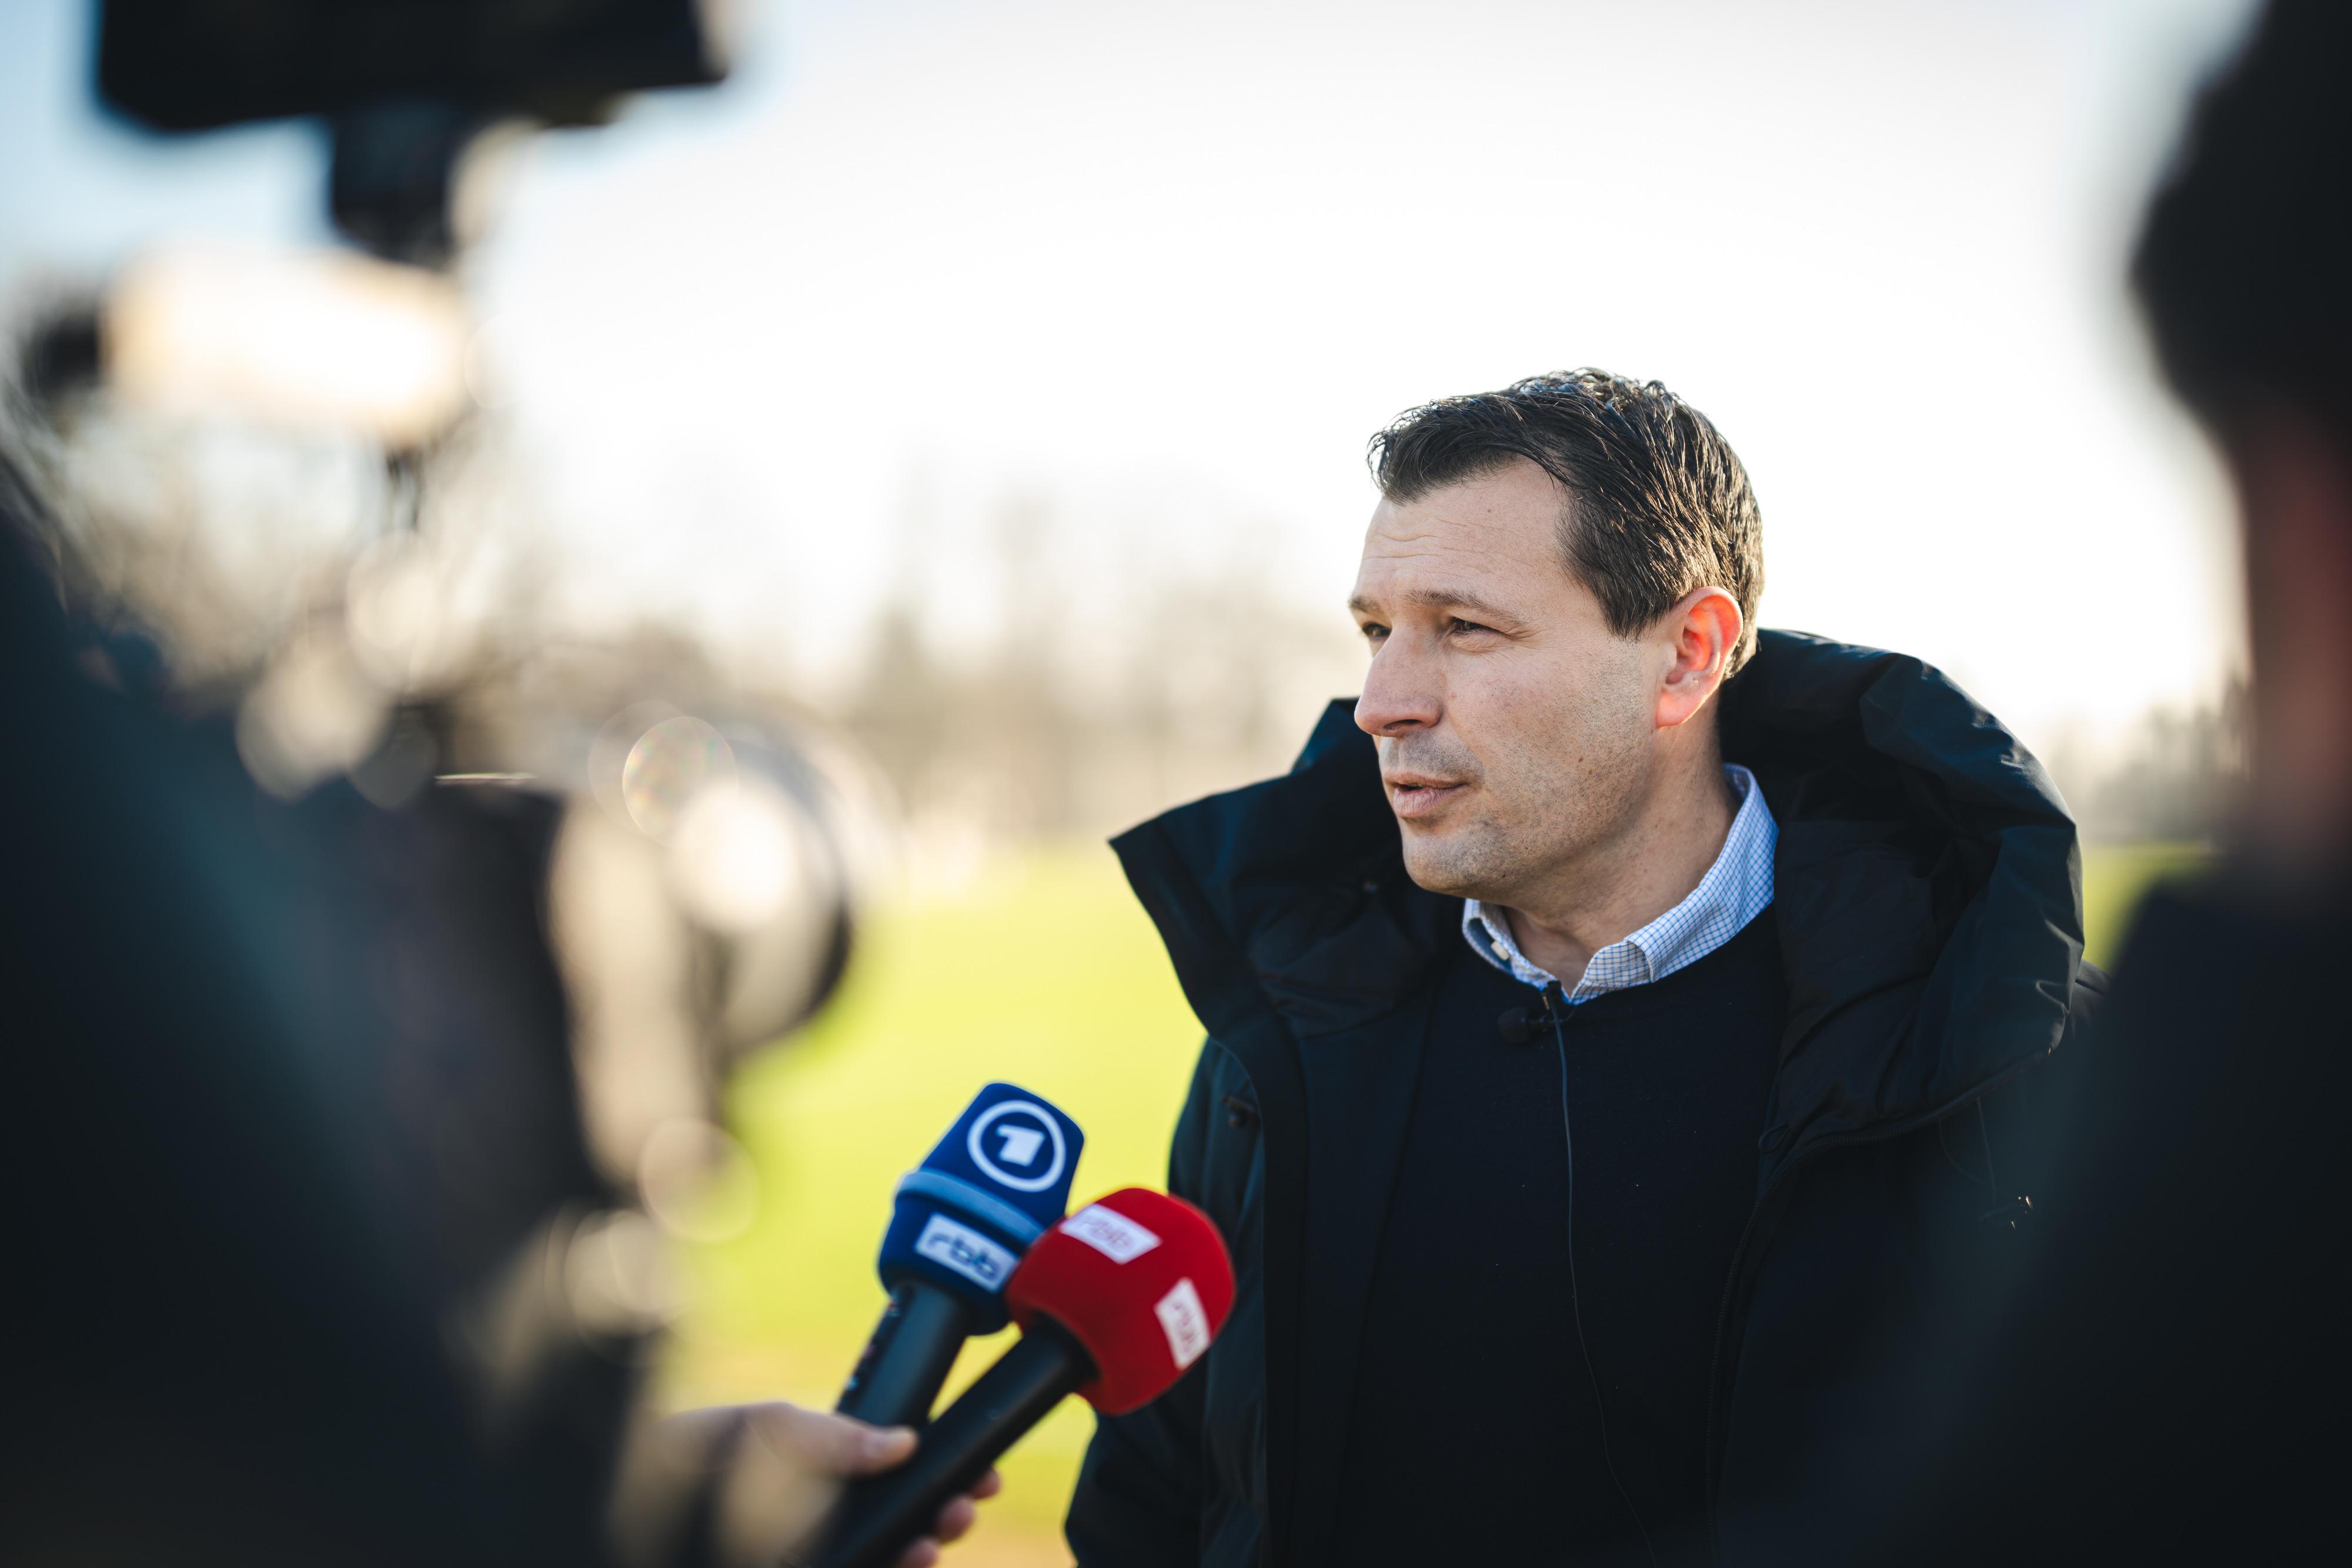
(1475, 1434)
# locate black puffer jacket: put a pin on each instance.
(1928, 900)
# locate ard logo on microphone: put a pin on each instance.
(1018, 1144)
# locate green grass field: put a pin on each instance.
(1047, 974)
(2115, 877)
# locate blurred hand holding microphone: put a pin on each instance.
(1114, 1304)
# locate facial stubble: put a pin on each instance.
(1546, 800)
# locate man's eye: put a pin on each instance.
(1373, 631)
(1461, 628)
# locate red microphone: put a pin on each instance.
(1114, 1304)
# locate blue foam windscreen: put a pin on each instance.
(993, 1185)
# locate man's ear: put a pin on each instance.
(1705, 628)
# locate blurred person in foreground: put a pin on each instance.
(1621, 1030)
(2171, 1382)
(306, 1259)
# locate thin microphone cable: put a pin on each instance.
(1575, 1306)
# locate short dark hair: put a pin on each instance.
(1658, 503)
(2244, 266)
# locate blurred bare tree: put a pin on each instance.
(2174, 778)
(1120, 680)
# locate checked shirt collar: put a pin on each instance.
(1735, 890)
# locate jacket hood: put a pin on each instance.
(1926, 888)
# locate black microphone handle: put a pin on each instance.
(906, 1364)
(879, 1516)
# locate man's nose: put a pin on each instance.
(1400, 693)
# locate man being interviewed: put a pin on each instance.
(1617, 1022)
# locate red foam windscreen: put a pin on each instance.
(1141, 1279)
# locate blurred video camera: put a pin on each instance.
(405, 84)
(395, 940)
(685, 853)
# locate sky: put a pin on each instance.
(1169, 266)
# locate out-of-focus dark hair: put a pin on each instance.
(2244, 267)
(1658, 503)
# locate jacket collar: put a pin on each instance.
(1927, 887)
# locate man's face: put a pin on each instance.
(1516, 729)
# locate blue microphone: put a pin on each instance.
(962, 1220)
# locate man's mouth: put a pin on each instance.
(1414, 795)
